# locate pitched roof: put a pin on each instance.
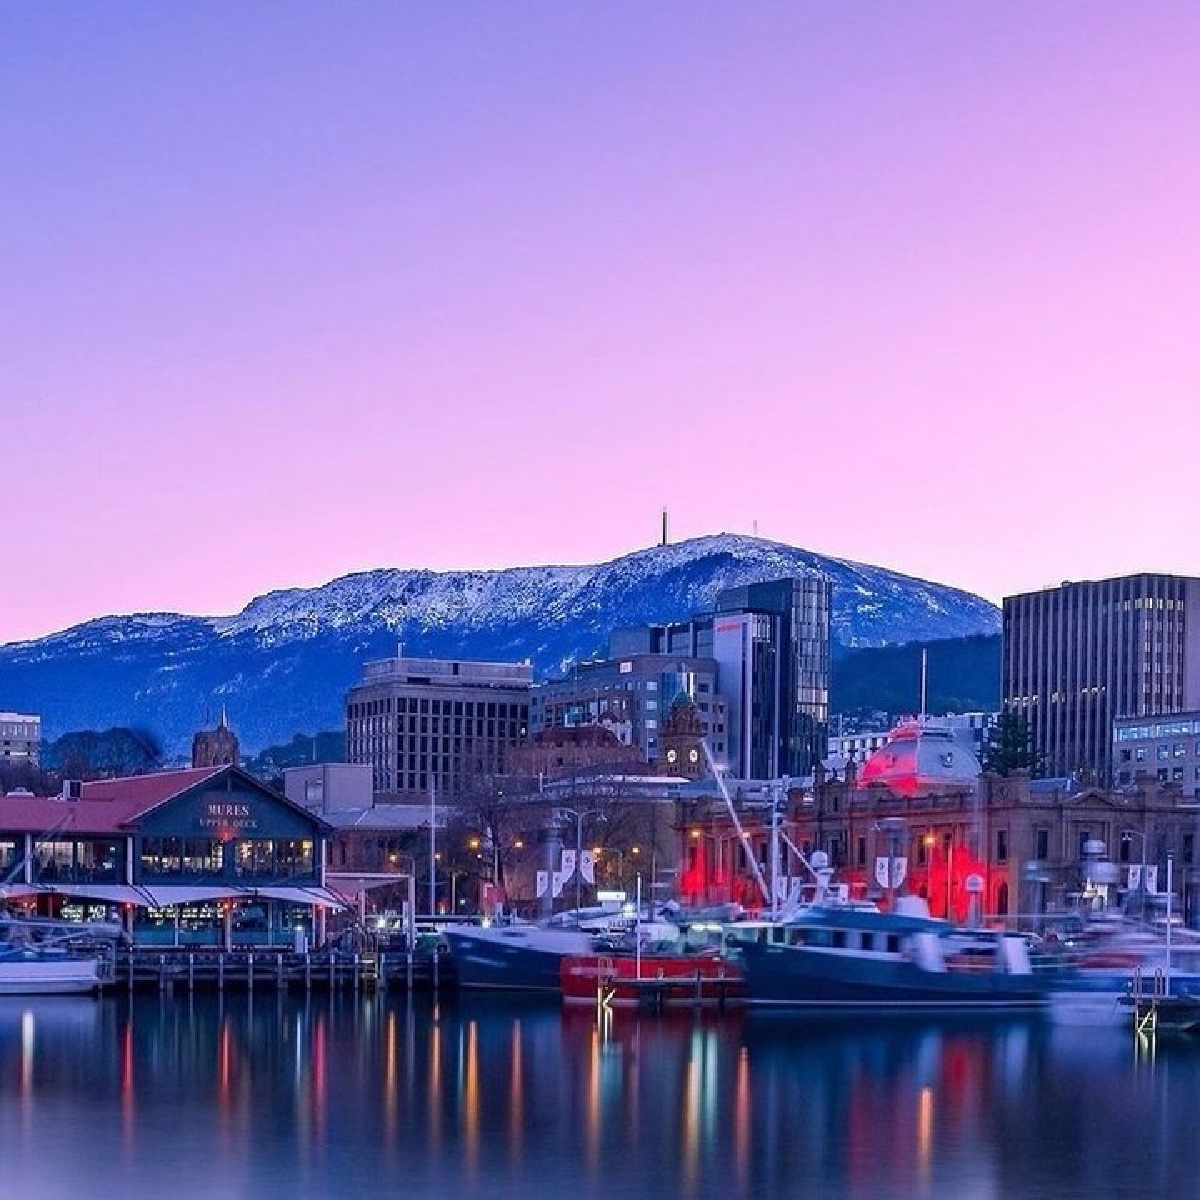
(104, 806)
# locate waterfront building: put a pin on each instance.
(1077, 657)
(196, 855)
(630, 694)
(1000, 849)
(1162, 747)
(20, 738)
(435, 724)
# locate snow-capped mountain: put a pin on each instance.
(284, 662)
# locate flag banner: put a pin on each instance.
(587, 866)
(568, 864)
(557, 881)
(899, 871)
(543, 883)
(1152, 879)
(1135, 878)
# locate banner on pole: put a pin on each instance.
(557, 880)
(587, 866)
(568, 864)
(543, 883)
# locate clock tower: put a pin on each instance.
(682, 733)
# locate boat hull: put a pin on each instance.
(658, 981)
(57, 977)
(784, 977)
(503, 961)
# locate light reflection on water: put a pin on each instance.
(336, 1096)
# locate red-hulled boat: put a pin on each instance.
(653, 981)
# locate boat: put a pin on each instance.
(527, 957)
(655, 980)
(515, 957)
(49, 958)
(850, 958)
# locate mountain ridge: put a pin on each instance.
(283, 662)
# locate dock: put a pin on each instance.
(269, 969)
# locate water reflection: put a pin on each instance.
(336, 1096)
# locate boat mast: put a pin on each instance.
(756, 870)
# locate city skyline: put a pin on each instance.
(297, 293)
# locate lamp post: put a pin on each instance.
(579, 817)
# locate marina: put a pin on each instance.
(315, 1095)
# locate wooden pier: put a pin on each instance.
(267, 969)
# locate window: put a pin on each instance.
(1177, 774)
(1002, 845)
(1178, 750)
(1162, 774)
(1140, 754)
(860, 852)
(1161, 753)
(1042, 844)
(1126, 755)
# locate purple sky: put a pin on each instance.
(289, 290)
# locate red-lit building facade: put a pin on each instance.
(1030, 847)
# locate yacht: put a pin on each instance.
(46, 958)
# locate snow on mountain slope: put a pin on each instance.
(283, 663)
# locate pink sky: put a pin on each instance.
(290, 290)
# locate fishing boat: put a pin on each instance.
(848, 958)
(517, 957)
(48, 958)
(528, 957)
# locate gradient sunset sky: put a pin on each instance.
(290, 290)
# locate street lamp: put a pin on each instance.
(579, 818)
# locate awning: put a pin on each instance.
(350, 887)
(107, 893)
(164, 895)
(17, 891)
(299, 895)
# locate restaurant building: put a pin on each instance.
(206, 855)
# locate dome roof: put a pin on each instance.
(919, 758)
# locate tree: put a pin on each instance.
(1010, 747)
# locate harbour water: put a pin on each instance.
(352, 1096)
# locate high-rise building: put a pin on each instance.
(1077, 657)
(436, 725)
(766, 650)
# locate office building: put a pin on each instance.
(436, 725)
(1077, 657)
(630, 695)
(1165, 749)
(771, 643)
(756, 667)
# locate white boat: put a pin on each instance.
(51, 958)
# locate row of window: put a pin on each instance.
(425, 706)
